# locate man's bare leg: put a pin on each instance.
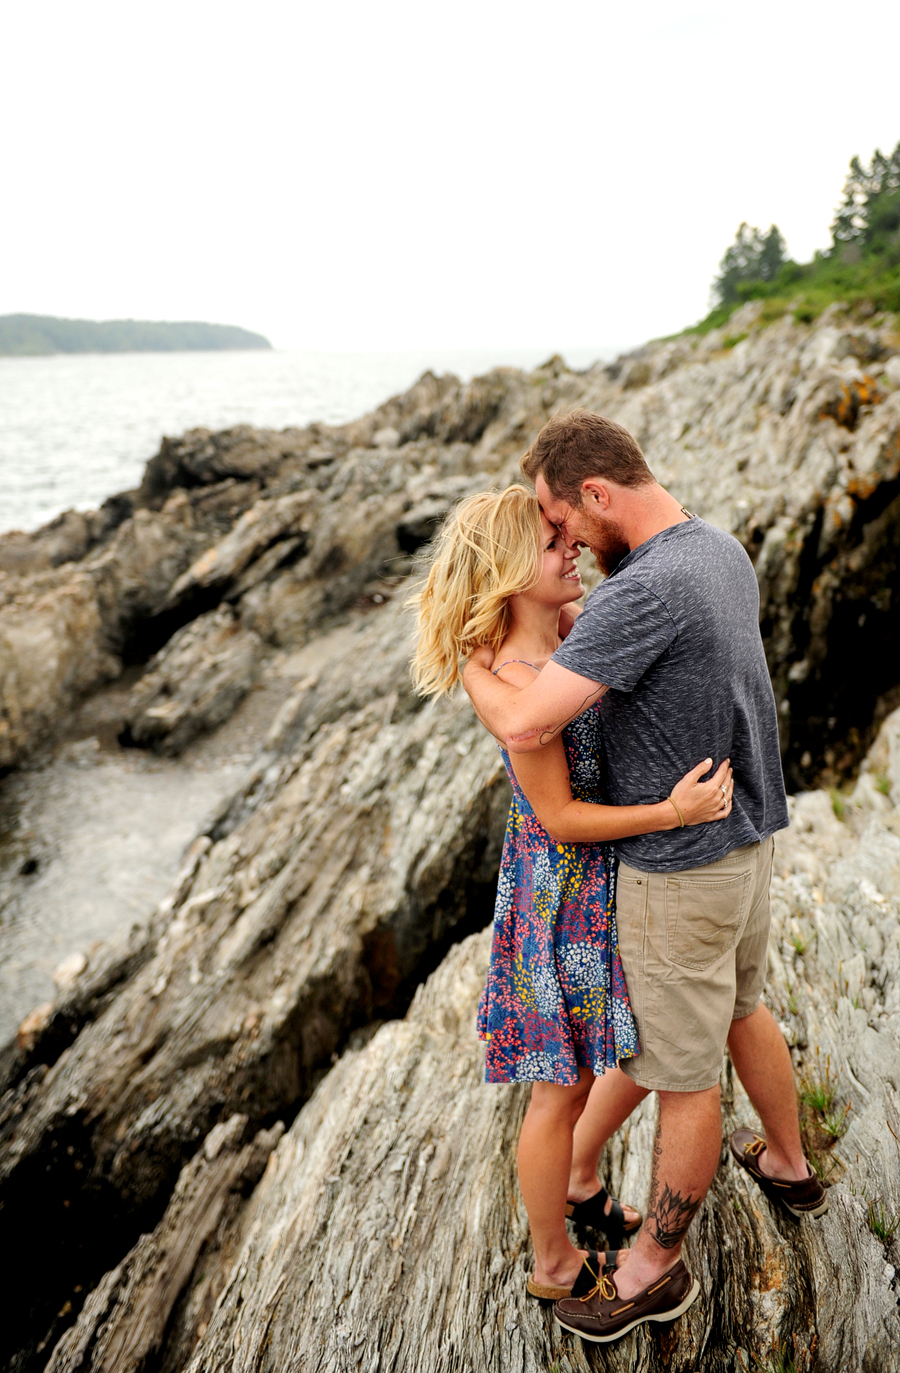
(612, 1099)
(685, 1157)
(762, 1061)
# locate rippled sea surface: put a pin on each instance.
(74, 429)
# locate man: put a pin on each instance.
(671, 641)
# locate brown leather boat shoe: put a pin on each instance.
(603, 1316)
(806, 1198)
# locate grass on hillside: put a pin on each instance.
(807, 289)
(861, 269)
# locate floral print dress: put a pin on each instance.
(555, 998)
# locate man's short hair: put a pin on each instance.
(572, 447)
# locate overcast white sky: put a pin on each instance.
(402, 175)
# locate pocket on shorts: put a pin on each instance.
(704, 916)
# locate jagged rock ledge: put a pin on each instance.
(366, 839)
(387, 1232)
(791, 439)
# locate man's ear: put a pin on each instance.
(595, 494)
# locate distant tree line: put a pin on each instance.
(753, 257)
(862, 263)
(30, 335)
(868, 219)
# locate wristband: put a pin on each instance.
(677, 811)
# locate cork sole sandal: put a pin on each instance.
(588, 1277)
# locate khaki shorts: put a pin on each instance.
(693, 947)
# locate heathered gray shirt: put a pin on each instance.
(674, 633)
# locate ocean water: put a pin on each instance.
(75, 429)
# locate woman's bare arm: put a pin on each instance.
(544, 778)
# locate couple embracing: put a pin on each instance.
(632, 916)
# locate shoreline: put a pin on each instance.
(106, 413)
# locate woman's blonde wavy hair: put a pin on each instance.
(487, 550)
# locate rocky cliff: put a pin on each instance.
(383, 1230)
(789, 437)
(363, 844)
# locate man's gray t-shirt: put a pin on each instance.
(674, 633)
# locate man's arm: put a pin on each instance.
(529, 718)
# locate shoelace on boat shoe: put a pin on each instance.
(753, 1150)
(603, 1285)
(605, 1288)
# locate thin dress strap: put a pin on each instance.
(523, 661)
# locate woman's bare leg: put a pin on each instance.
(545, 1160)
(611, 1101)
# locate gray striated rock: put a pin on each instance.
(366, 839)
(387, 1232)
(270, 531)
(194, 683)
(291, 527)
(790, 439)
(785, 441)
(127, 1317)
(62, 631)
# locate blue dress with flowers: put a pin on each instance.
(555, 998)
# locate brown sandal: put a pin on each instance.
(588, 1277)
(593, 1215)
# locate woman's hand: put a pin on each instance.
(482, 656)
(567, 617)
(544, 778)
(700, 802)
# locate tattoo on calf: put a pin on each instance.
(671, 1215)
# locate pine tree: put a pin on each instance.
(868, 216)
(773, 255)
(753, 257)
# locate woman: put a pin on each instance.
(555, 1009)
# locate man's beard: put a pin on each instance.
(608, 544)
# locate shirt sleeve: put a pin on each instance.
(621, 632)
